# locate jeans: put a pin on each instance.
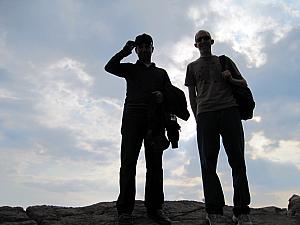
(134, 129)
(210, 125)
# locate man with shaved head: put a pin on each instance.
(216, 113)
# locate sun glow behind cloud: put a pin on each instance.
(245, 30)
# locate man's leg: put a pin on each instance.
(132, 138)
(209, 146)
(233, 141)
(154, 195)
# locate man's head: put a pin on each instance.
(144, 47)
(203, 42)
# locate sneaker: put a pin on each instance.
(243, 219)
(215, 219)
(125, 219)
(159, 217)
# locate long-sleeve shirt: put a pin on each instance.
(141, 80)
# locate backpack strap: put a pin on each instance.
(227, 64)
(223, 59)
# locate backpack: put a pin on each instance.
(242, 94)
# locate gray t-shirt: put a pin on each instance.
(213, 92)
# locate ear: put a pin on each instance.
(212, 41)
(152, 48)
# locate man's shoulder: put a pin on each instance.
(195, 62)
(225, 57)
(160, 69)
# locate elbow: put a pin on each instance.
(107, 68)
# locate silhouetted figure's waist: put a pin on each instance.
(139, 107)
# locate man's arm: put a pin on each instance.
(232, 74)
(192, 97)
(191, 84)
(228, 76)
(114, 65)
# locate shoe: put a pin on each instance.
(243, 219)
(159, 217)
(125, 219)
(215, 219)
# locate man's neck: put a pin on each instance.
(205, 54)
(146, 62)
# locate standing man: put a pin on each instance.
(216, 113)
(144, 81)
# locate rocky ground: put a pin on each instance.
(181, 212)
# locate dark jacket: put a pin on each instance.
(162, 116)
(175, 101)
(160, 121)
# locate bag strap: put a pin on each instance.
(226, 64)
(223, 60)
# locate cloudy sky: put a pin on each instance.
(60, 112)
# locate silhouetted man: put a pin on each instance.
(216, 113)
(144, 80)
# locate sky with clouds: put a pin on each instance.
(60, 112)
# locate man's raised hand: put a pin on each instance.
(129, 46)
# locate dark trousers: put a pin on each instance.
(134, 129)
(210, 125)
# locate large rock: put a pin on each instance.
(14, 216)
(294, 206)
(101, 213)
(181, 212)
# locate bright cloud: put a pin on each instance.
(257, 119)
(66, 103)
(183, 51)
(280, 151)
(6, 94)
(244, 27)
(186, 182)
(56, 179)
(68, 64)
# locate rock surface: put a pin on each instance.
(181, 212)
(294, 206)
